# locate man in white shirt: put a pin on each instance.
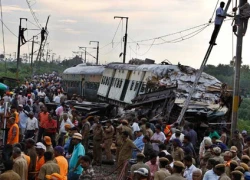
(219, 17)
(62, 130)
(56, 98)
(158, 138)
(31, 126)
(177, 135)
(135, 126)
(188, 172)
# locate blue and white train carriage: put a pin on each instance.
(83, 80)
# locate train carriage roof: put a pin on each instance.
(84, 69)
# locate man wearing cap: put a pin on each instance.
(244, 135)
(13, 133)
(20, 164)
(238, 141)
(143, 125)
(188, 162)
(126, 149)
(126, 127)
(74, 169)
(31, 126)
(98, 135)
(245, 159)
(177, 135)
(217, 155)
(49, 167)
(40, 150)
(227, 161)
(234, 151)
(138, 142)
(220, 171)
(177, 170)
(48, 144)
(141, 174)
(162, 173)
(68, 146)
(61, 161)
(237, 175)
(108, 139)
(140, 157)
(177, 151)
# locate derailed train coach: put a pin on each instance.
(161, 89)
(83, 80)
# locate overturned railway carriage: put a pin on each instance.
(83, 80)
(161, 90)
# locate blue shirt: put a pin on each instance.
(22, 120)
(218, 19)
(210, 175)
(78, 151)
(66, 145)
(139, 143)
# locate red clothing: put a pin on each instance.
(43, 118)
(51, 126)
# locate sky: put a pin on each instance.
(75, 23)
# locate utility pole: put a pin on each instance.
(32, 54)
(125, 37)
(85, 53)
(18, 47)
(236, 94)
(97, 51)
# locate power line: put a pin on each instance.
(8, 28)
(33, 15)
(34, 24)
(116, 31)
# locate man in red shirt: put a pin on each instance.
(42, 118)
(51, 128)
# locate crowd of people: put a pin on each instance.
(44, 144)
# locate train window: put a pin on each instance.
(112, 82)
(136, 86)
(143, 87)
(115, 81)
(107, 81)
(118, 82)
(132, 85)
(120, 85)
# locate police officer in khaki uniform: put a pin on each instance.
(126, 127)
(85, 133)
(235, 175)
(98, 135)
(177, 170)
(108, 139)
(140, 158)
(118, 140)
(220, 171)
(163, 172)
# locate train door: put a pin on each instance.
(125, 87)
(83, 86)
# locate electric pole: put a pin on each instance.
(97, 51)
(18, 47)
(85, 53)
(236, 94)
(32, 54)
(125, 37)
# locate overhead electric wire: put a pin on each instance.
(33, 15)
(8, 28)
(34, 24)
(116, 31)
(111, 49)
(171, 34)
